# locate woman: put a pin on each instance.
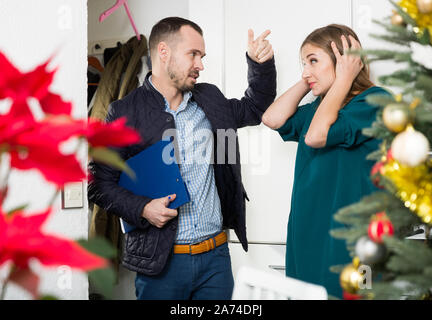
(331, 169)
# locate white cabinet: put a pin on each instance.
(266, 257)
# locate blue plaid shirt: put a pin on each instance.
(201, 217)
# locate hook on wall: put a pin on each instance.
(108, 12)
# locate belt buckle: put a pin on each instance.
(209, 243)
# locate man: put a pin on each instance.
(183, 254)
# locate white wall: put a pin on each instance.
(31, 32)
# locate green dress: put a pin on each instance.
(325, 180)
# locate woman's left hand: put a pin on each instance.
(348, 66)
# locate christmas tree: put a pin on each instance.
(388, 232)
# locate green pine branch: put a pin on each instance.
(375, 155)
(362, 211)
(392, 39)
(351, 235)
(406, 76)
(401, 31)
(382, 54)
(380, 99)
(379, 131)
(410, 256)
(424, 83)
(425, 39)
(424, 117)
(393, 290)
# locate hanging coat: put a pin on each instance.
(120, 77)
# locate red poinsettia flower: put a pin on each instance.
(52, 103)
(52, 131)
(53, 165)
(35, 145)
(21, 239)
(11, 127)
(19, 86)
(100, 134)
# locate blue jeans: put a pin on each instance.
(204, 276)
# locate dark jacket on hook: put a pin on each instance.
(118, 79)
(147, 248)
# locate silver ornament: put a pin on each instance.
(368, 251)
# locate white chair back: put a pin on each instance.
(253, 284)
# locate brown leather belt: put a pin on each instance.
(201, 247)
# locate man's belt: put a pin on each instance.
(201, 247)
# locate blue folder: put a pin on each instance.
(157, 176)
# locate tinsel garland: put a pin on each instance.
(423, 20)
(414, 186)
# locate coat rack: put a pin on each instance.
(108, 12)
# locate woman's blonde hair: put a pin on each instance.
(322, 38)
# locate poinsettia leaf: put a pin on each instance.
(51, 250)
(20, 111)
(111, 158)
(26, 279)
(36, 82)
(3, 192)
(103, 280)
(8, 73)
(11, 212)
(53, 165)
(48, 297)
(114, 134)
(53, 104)
(99, 246)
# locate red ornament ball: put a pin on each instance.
(380, 226)
(351, 296)
(389, 155)
(376, 174)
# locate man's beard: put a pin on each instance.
(177, 79)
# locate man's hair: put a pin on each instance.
(166, 28)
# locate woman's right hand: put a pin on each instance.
(348, 66)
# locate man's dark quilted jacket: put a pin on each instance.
(147, 248)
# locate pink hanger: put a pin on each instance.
(108, 12)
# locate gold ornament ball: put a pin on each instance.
(397, 20)
(424, 6)
(395, 117)
(350, 279)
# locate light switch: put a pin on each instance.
(72, 195)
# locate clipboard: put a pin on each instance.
(157, 176)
